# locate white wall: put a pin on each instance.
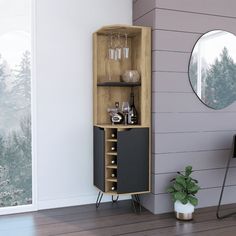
(64, 95)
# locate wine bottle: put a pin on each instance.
(113, 174)
(113, 161)
(113, 148)
(133, 114)
(113, 187)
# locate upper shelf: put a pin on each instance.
(118, 84)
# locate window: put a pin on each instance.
(15, 103)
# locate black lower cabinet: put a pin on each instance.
(132, 160)
(99, 158)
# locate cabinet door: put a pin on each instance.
(99, 158)
(133, 160)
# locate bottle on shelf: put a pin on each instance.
(113, 148)
(116, 116)
(113, 174)
(133, 114)
(113, 161)
(113, 187)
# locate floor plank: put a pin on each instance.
(114, 219)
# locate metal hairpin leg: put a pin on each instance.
(114, 200)
(221, 194)
(136, 201)
(99, 198)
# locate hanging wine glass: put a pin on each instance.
(118, 48)
(126, 48)
(111, 50)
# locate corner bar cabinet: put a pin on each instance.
(122, 153)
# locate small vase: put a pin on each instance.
(131, 76)
(183, 211)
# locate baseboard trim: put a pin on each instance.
(17, 209)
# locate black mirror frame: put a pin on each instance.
(190, 62)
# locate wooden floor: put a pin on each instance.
(114, 219)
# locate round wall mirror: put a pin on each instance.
(212, 69)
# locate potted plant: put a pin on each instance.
(183, 189)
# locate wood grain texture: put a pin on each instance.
(145, 68)
(139, 42)
(113, 219)
(95, 74)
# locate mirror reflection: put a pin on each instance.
(212, 69)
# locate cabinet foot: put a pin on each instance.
(99, 198)
(136, 203)
(114, 200)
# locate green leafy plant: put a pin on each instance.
(183, 187)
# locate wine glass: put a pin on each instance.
(125, 110)
(126, 48)
(118, 48)
(111, 50)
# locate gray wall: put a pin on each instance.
(185, 132)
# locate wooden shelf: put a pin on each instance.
(121, 126)
(111, 180)
(112, 192)
(118, 84)
(111, 140)
(112, 153)
(112, 166)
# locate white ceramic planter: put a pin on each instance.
(183, 211)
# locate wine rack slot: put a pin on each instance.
(111, 147)
(111, 160)
(111, 187)
(111, 135)
(111, 174)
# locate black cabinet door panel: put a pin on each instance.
(98, 158)
(133, 160)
